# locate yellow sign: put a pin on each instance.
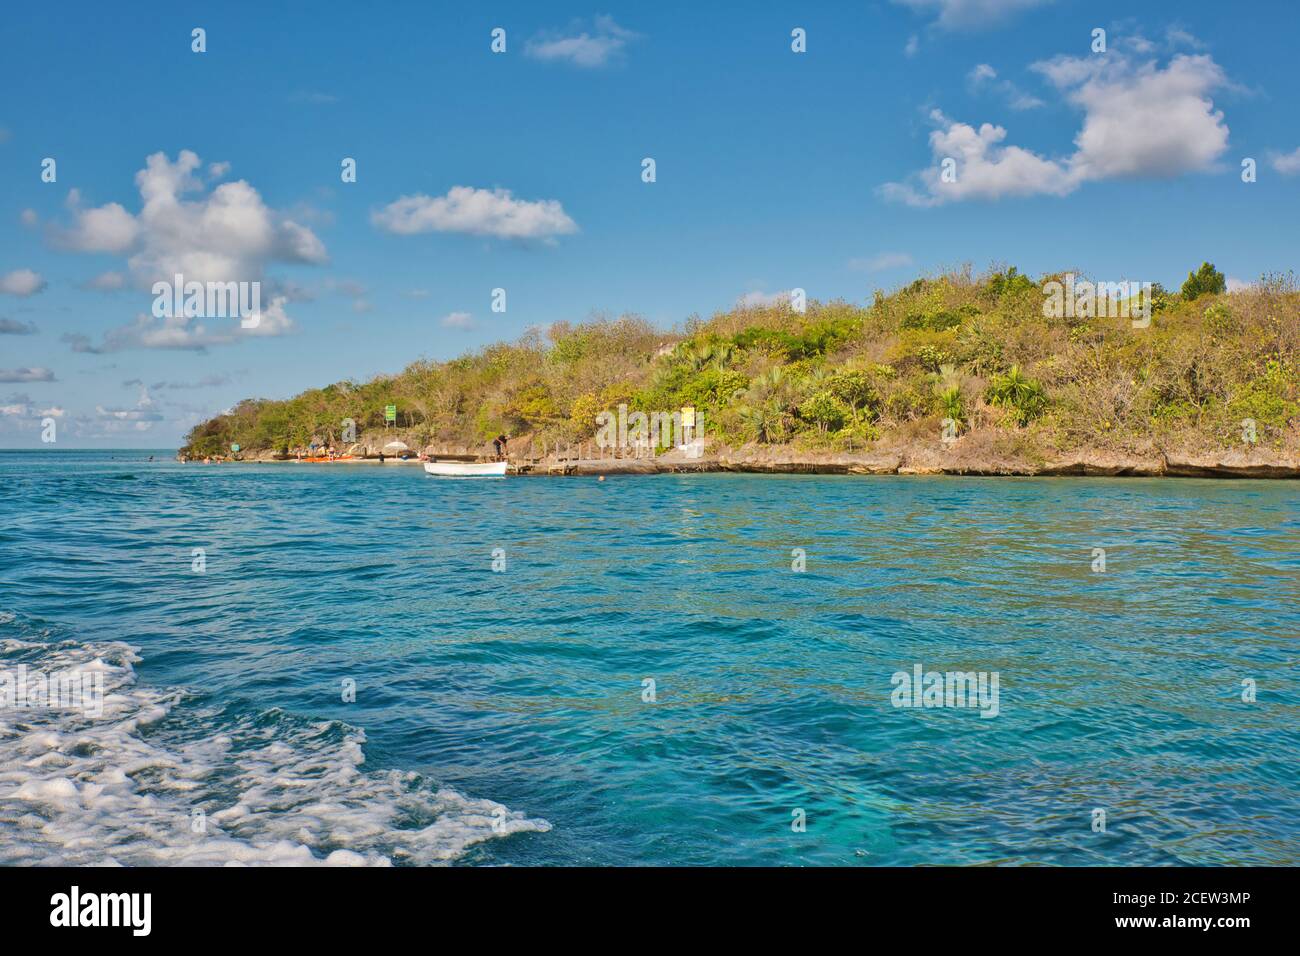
(688, 416)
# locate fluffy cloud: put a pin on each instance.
(182, 333)
(228, 234)
(596, 47)
(142, 415)
(21, 407)
(968, 14)
(1288, 164)
(478, 212)
(23, 282)
(985, 169)
(1139, 120)
(458, 320)
(26, 375)
(108, 228)
(984, 77)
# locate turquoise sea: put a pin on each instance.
(504, 716)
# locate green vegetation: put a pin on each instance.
(1204, 281)
(978, 350)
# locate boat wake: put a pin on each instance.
(157, 779)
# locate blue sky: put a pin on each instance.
(522, 170)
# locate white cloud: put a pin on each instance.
(29, 217)
(226, 235)
(108, 228)
(913, 46)
(23, 282)
(985, 168)
(1177, 36)
(26, 375)
(458, 320)
(984, 77)
(882, 262)
(183, 333)
(20, 406)
(1140, 120)
(479, 212)
(16, 406)
(1288, 164)
(968, 14)
(142, 415)
(596, 47)
(271, 321)
(1237, 285)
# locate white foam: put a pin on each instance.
(273, 789)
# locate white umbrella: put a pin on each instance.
(397, 446)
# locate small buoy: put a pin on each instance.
(601, 478)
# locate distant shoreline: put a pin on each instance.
(909, 460)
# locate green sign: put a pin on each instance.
(390, 413)
(234, 447)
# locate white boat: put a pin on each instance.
(466, 469)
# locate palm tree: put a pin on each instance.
(765, 404)
(1013, 390)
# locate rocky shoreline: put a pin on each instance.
(1230, 464)
(918, 459)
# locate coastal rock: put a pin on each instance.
(964, 457)
(1234, 463)
(1091, 463)
(617, 466)
(868, 464)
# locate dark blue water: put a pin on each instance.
(500, 717)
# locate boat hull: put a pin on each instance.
(466, 469)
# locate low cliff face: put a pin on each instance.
(953, 459)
